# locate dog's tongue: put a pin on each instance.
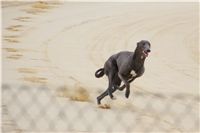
(145, 54)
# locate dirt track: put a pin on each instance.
(61, 45)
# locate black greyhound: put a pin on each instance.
(124, 66)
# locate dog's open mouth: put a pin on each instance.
(146, 53)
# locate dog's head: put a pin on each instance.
(143, 47)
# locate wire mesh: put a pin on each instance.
(39, 109)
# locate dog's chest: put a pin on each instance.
(133, 73)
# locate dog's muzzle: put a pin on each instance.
(146, 52)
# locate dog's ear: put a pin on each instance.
(138, 43)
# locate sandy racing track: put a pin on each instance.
(60, 45)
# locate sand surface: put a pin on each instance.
(60, 45)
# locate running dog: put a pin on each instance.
(123, 67)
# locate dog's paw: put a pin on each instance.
(113, 98)
(127, 94)
(98, 101)
(121, 88)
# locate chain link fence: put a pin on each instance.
(40, 109)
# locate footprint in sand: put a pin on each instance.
(23, 19)
(15, 56)
(11, 49)
(11, 39)
(38, 7)
(14, 53)
(15, 28)
(34, 79)
(27, 70)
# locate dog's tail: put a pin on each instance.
(99, 73)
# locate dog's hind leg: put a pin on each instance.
(115, 85)
(117, 81)
(105, 93)
(111, 79)
(99, 98)
(109, 90)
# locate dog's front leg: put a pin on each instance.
(126, 84)
(123, 86)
